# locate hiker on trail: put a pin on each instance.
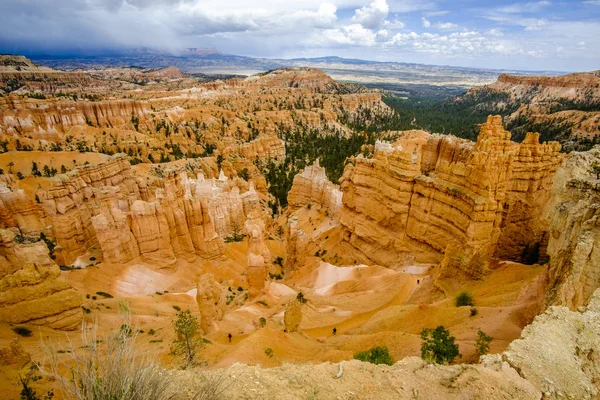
(229, 336)
(418, 281)
(334, 331)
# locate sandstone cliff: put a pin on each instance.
(488, 195)
(105, 206)
(311, 186)
(43, 119)
(31, 290)
(564, 108)
(210, 301)
(574, 217)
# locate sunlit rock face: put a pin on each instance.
(210, 301)
(574, 233)
(312, 186)
(423, 192)
(31, 290)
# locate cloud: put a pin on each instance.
(373, 15)
(395, 24)
(437, 13)
(525, 33)
(355, 35)
(445, 25)
(465, 43)
(534, 25)
(519, 8)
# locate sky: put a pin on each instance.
(526, 35)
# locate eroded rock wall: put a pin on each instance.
(312, 186)
(423, 192)
(31, 290)
(42, 119)
(574, 217)
(104, 206)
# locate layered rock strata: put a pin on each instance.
(43, 119)
(311, 186)
(259, 257)
(210, 301)
(31, 290)
(574, 217)
(421, 193)
(105, 206)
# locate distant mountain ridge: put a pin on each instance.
(395, 76)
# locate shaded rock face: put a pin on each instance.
(462, 263)
(31, 290)
(311, 186)
(259, 257)
(292, 316)
(296, 244)
(421, 193)
(558, 352)
(574, 218)
(210, 301)
(14, 355)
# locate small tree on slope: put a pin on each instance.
(187, 340)
(438, 346)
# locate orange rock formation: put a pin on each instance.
(487, 195)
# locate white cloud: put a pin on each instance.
(445, 25)
(535, 53)
(395, 24)
(425, 22)
(534, 25)
(593, 2)
(495, 32)
(354, 34)
(518, 8)
(436, 13)
(373, 15)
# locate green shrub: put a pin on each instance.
(269, 352)
(262, 322)
(376, 355)
(474, 312)
(105, 295)
(264, 303)
(464, 299)
(438, 346)
(151, 332)
(301, 299)
(482, 344)
(177, 308)
(22, 331)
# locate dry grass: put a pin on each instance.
(112, 368)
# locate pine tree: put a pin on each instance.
(187, 339)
